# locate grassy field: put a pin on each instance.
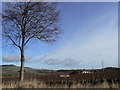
(63, 84)
(107, 78)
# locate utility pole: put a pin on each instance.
(102, 64)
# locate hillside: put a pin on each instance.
(12, 71)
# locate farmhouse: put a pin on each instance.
(86, 72)
(64, 76)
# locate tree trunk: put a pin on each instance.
(22, 65)
(22, 56)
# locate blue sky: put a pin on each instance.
(90, 35)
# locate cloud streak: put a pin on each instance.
(88, 47)
(13, 58)
(65, 62)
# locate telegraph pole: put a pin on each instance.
(102, 64)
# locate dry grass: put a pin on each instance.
(39, 84)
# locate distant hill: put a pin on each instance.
(110, 68)
(9, 71)
(7, 65)
(13, 68)
(13, 71)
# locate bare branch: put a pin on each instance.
(7, 35)
(31, 20)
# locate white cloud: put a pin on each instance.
(13, 58)
(99, 42)
(63, 62)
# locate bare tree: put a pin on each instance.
(25, 21)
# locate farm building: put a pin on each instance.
(65, 76)
(86, 72)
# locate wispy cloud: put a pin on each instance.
(99, 41)
(63, 62)
(13, 58)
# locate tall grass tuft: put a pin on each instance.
(42, 84)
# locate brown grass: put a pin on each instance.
(39, 84)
